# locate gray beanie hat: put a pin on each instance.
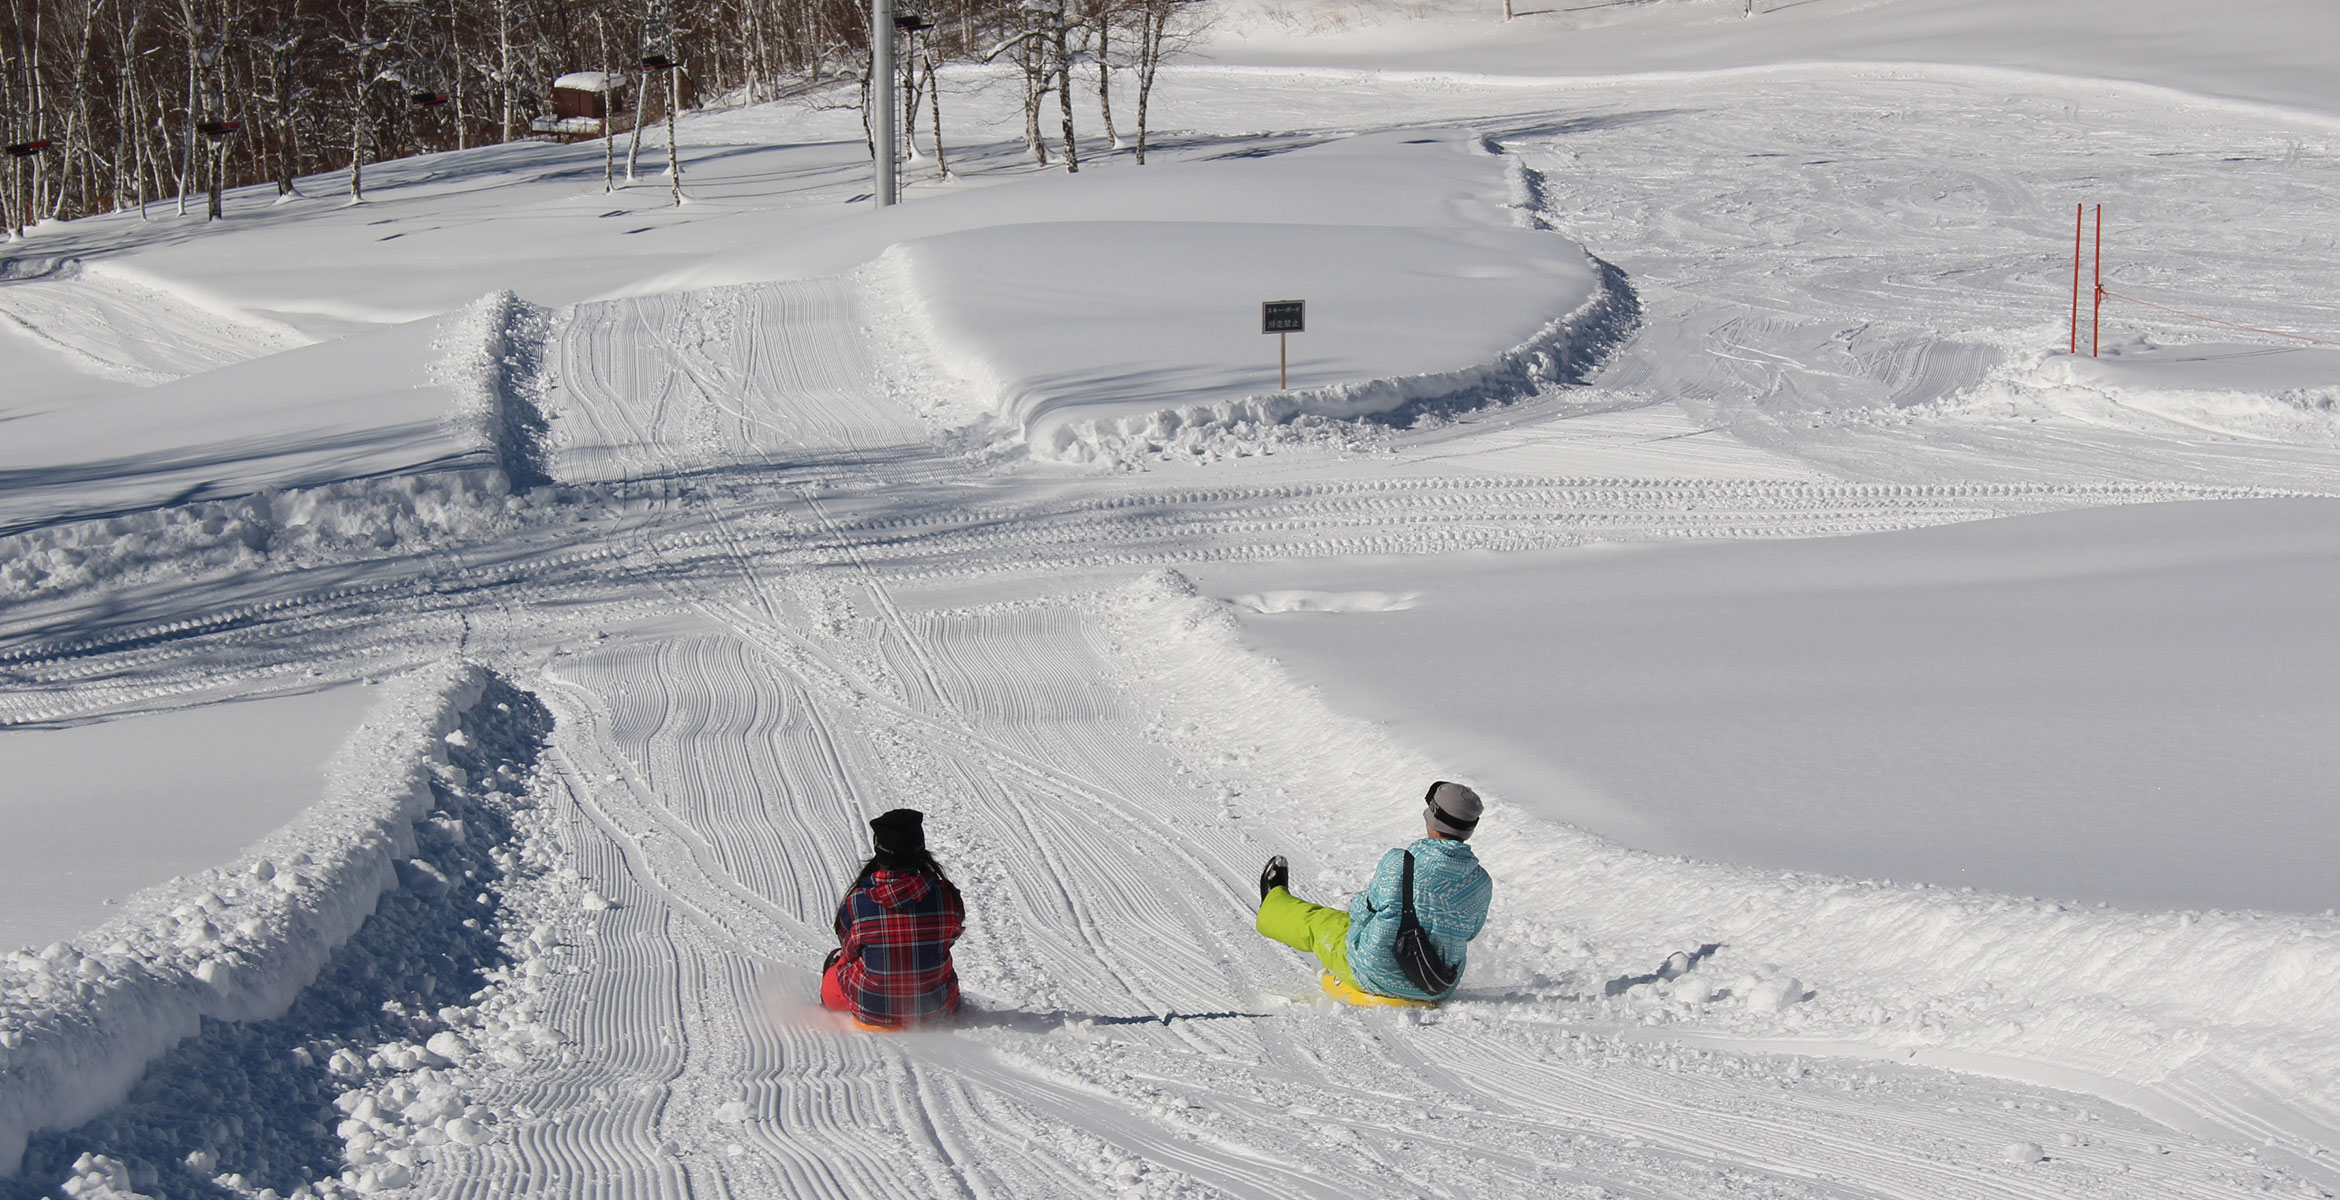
(1453, 809)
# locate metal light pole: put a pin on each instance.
(881, 95)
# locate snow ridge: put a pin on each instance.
(1564, 353)
(80, 1020)
(493, 354)
(495, 362)
(375, 1068)
(121, 324)
(291, 528)
(2036, 987)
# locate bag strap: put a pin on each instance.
(1406, 918)
(1417, 956)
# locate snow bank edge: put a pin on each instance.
(81, 1020)
(1564, 351)
(2206, 1020)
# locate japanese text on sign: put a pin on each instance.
(1282, 316)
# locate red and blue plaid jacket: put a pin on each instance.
(897, 929)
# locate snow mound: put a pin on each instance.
(450, 398)
(1046, 322)
(376, 1068)
(492, 358)
(289, 528)
(116, 323)
(1117, 319)
(2018, 985)
(80, 1020)
(2124, 702)
(484, 475)
(1290, 600)
(2262, 393)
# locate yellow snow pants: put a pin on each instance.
(1314, 928)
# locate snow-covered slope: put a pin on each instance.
(2122, 704)
(2270, 51)
(690, 537)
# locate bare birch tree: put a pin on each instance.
(1164, 26)
(123, 88)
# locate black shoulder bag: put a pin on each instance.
(1416, 954)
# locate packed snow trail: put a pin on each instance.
(690, 381)
(1122, 1032)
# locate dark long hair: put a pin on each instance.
(917, 862)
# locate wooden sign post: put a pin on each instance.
(1281, 318)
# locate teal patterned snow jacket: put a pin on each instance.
(1451, 893)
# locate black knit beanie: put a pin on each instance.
(899, 835)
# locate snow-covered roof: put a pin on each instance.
(570, 125)
(587, 81)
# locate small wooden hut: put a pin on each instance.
(584, 104)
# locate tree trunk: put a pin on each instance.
(1105, 78)
(1033, 59)
(910, 96)
(37, 193)
(756, 55)
(504, 63)
(634, 143)
(1072, 150)
(455, 94)
(194, 103)
(868, 137)
(288, 125)
(673, 155)
(80, 132)
(608, 138)
(942, 168)
(143, 151)
(1151, 20)
(357, 120)
(126, 103)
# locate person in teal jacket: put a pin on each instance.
(1451, 893)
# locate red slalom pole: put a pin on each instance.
(2096, 316)
(2079, 219)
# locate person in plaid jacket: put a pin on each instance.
(896, 924)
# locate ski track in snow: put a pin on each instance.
(1766, 309)
(690, 380)
(720, 776)
(797, 608)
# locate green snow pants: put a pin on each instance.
(1314, 928)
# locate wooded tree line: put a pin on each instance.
(114, 104)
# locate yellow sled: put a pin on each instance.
(1342, 992)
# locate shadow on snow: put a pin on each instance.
(258, 1097)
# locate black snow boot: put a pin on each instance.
(1276, 874)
